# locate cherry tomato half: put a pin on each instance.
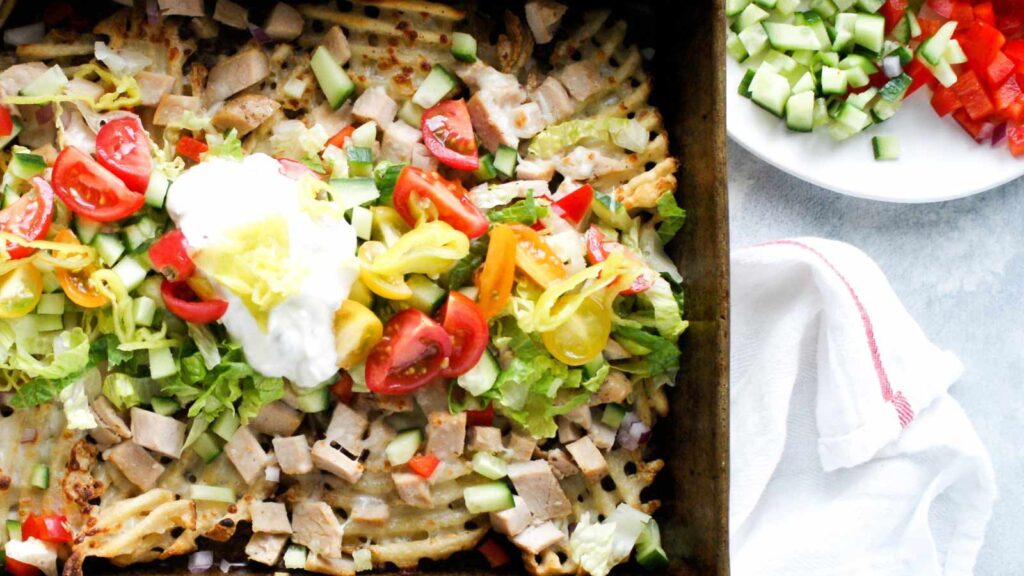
(574, 205)
(446, 197)
(183, 302)
(465, 323)
(29, 217)
(91, 190)
(122, 147)
(6, 122)
(338, 140)
(410, 355)
(535, 258)
(16, 568)
(169, 256)
(598, 248)
(47, 527)
(75, 283)
(448, 134)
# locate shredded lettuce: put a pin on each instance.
(591, 545)
(226, 146)
(75, 399)
(292, 139)
(672, 217)
(655, 355)
(668, 318)
(122, 390)
(526, 212)
(624, 132)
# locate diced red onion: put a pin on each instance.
(260, 34)
(892, 66)
(999, 135)
(273, 474)
(200, 561)
(632, 432)
(24, 34)
(28, 435)
(44, 114)
(152, 12)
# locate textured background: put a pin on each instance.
(959, 269)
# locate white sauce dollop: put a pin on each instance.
(219, 195)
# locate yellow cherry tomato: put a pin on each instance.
(76, 283)
(356, 330)
(536, 259)
(20, 291)
(390, 287)
(583, 336)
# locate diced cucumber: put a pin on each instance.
(40, 477)
(786, 7)
(481, 377)
(805, 84)
(16, 128)
(51, 304)
(46, 322)
(613, 415)
(943, 72)
(782, 63)
(886, 147)
(857, 61)
(766, 4)
(25, 165)
(884, 110)
(87, 229)
(13, 530)
(870, 32)
(131, 272)
(770, 90)
(362, 222)
(734, 46)
(846, 27)
(610, 210)
(933, 48)
(351, 192)
(753, 40)
(207, 447)
(165, 406)
(295, 557)
(435, 87)
(365, 135)
(828, 59)
(857, 78)
(870, 5)
(410, 113)
(735, 7)
(50, 282)
(156, 190)
(161, 363)
(49, 83)
(853, 118)
(804, 58)
(360, 161)
(825, 7)
(333, 80)
(403, 447)
(206, 493)
(833, 81)
(464, 47)
(800, 112)
(489, 497)
(816, 24)
(489, 466)
(139, 233)
(485, 171)
(505, 160)
(955, 53)
(426, 296)
(649, 552)
(914, 23)
(226, 425)
(748, 79)
(109, 247)
(751, 15)
(150, 288)
(313, 400)
(863, 100)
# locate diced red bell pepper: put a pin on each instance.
(424, 465)
(972, 94)
(929, 26)
(483, 417)
(1015, 111)
(191, 148)
(963, 13)
(1007, 94)
(986, 13)
(1014, 50)
(16, 568)
(980, 131)
(6, 122)
(893, 10)
(943, 8)
(1000, 69)
(1015, 136)
(920, 76)
(1010, 26)
(46, 527)
(981, 42)
(494, 553)
(944, 101)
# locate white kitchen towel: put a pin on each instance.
(848, 456)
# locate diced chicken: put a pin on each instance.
(503, 89)
(567, 431)
(485, 439)
(536, 483)
(181, 7)
(347, 428)
(446, 434)
(90, 89)
(244, 113)
(580, 416)
(330, 566)
(487, 196)
(527, 120)
(276, 419)
(136, 464)
(538, 538)
(375, 104)
(369, 510)
(603, 436)
(172, 109)
(615, 351)
(235, 74)
(616, 388)
(284, 23)
(521, 447)
(265, 548)
(270, 517)
(413, 489)
(561, 464)
(231, 14)
(334, 461)
(491, 123)
(399, 141)
(543, 17)
(16, 77)
(432, 398)
(293, 455)
(245, 452)
(315, 526)
(449, 470)
(553, 100)
(581, 79)
(381, 434)
(337, 44)
(389, 402)
(422, 158)
(161, 434)
(535, 170)
(111, 427)
(585, 164)
(332, 121)
(204, 28)
(153, 86)
(588, 458)
(514, 520)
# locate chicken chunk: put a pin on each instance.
(543, 17)
(205, 28)
(369, 510)
(413, 489)
(161, 434)
(538, 538)
(334, 461)
(270, 518)
(244, 113)
(315, 526)
(554, 101)
(375, 104)
(521, 447)
(491, 123)
(536, 483)
(284, 23)
(485, 439)
(293, 455)
(172, 109)
(153, 86)
(400, 140)
(527, 120)
(567, 431)
(446, 434)
(111, 427)
(136, 464)
(245, 452)
(432, 398)
(231, 14)
(503, 89)
(561, 464)
(236, 73)
(347, 428)
(588, 458)
(581, 416)
(337, 44)
(535, 170)
(332, 121)
(581, 79)
(616, 388)
(181, 7)
(276, 419)
(602, 436)
(265, 548)
(514, 520)
(14, 78)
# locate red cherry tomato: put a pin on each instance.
(122, 147)
(15, 568)
(598, 248)
(29, 217)
(183, 302)
(342, 388)
(189, 147)
(448, 134)
(575, 205)
(483, 417)
(338, 140)
(424, 465)
(91, 190)
(6, 123)
(169, 256)
(295, 169)
(410, 354)
(465, 323)
(48, 528)
(448, 199)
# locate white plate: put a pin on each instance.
(939, 160)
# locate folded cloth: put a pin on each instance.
(848, 456)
